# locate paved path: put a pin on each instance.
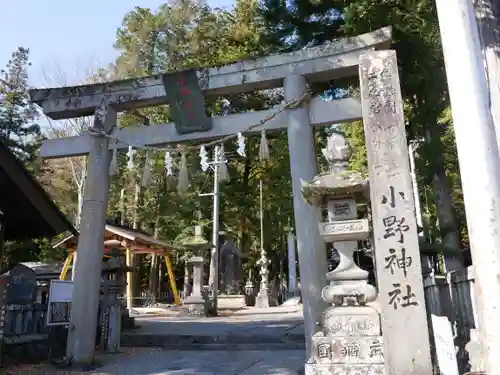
(161, 362)
(274, 321)
(246, 337)
(251, 329)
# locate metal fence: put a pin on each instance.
(453, 296)
(24, 323)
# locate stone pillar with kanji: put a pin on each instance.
(350, 339)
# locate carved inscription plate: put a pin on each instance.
(397, 255)
(354, 321)
(351, 350)
(341, 209)
(345, 230)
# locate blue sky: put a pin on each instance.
(67, 36)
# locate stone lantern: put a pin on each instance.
(250, 291)
(350, 339)
(196, 303)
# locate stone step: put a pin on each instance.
(230, 347)
(222, 342)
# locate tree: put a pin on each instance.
(65, 178)
(180, 35)
(417, 42)
(20, 132)
(291, 25)
(17, 114)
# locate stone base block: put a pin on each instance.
(263, 300)
(342, 369)
(196, 306)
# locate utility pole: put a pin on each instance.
(214, 257)
(479, 161)
(215, 229)
(412, 149)
(292, 270)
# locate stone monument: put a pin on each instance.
(196, 304)
(395, 236)
(112, 311)
(350, 340)
(231, 275)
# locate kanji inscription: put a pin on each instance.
(187, 104)
(397, 260)
(397, 253)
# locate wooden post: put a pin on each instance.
(128, 261)
(171, 276)
(399, 272)
(66, 265)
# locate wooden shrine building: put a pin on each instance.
(26, 210)
(133, 243)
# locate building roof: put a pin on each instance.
(28, 210)
(42, 268)
(137, 237)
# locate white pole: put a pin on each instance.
(418, 210)
(261, 216)
(215, 235)
(292, 271)
(487, 16)
(479, 162)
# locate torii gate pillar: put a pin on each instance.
(310, 246)
(85, 299)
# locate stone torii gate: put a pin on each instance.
(293, 71)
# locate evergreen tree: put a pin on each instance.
(183, 34)
(423, 81)
(17, 114)
(298, 23)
